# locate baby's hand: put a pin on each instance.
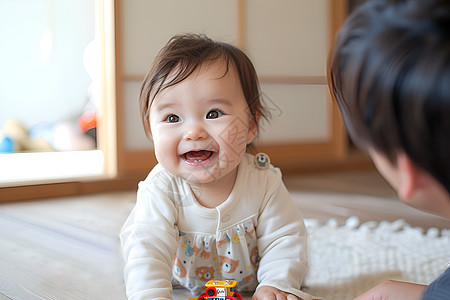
(271, 293)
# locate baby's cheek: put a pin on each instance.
(234, 134)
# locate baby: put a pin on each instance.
(209, 209)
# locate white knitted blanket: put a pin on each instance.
(345, 261)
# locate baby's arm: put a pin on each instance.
(281, 243)
(149, 241)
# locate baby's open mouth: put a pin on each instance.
(197, 156)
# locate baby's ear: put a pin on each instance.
(148, 131)
(253, 128)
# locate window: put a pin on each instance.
(54, 85)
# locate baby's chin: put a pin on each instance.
(198, 180)
(205, 176)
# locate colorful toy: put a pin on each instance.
(219, 290)
(88, 125)
(14, 137)
(60, 136)
(6, 144)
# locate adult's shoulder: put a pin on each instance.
(440, 288)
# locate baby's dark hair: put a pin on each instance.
(390, 76)
(182, 55)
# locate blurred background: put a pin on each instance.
(50, 67)
(49, 91)
(71, 72)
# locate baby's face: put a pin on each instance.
(202, 125)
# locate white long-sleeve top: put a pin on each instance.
(256, 236)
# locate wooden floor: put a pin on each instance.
(68, 248)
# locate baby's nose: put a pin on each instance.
(195, 132)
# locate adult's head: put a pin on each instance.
(390, 75)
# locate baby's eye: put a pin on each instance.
(214, 114)
(173, 119)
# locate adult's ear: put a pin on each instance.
(421, 190)
(410, 176)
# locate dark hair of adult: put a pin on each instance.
(182, 55)
(390, 75)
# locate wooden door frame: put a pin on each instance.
(132, 161)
